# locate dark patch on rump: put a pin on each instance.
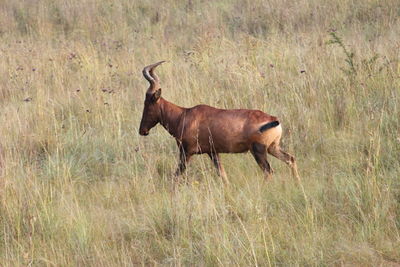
(269, 125)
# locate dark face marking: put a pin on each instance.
(151, 113)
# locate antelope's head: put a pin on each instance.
(151, 111)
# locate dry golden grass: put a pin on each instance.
(80, 187)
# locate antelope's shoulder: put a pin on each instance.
(204, 110)
(203, 107)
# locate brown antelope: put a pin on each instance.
(204, 129)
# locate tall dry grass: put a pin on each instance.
(79, 187)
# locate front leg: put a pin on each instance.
(217, 163)
(184, 157)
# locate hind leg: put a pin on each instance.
(275, 150)
(259, 152)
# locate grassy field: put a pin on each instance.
(80, 187)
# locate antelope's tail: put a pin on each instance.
(269, 125)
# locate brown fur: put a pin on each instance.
(204, 129)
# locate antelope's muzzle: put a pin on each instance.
(143, 132)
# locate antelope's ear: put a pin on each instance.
(156, 95)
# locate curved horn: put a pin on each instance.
(151, 77)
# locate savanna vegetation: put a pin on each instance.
(80, 187)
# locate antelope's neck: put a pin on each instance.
(171, 117)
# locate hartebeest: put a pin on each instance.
(204, 129)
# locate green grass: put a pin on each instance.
(80, 187)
